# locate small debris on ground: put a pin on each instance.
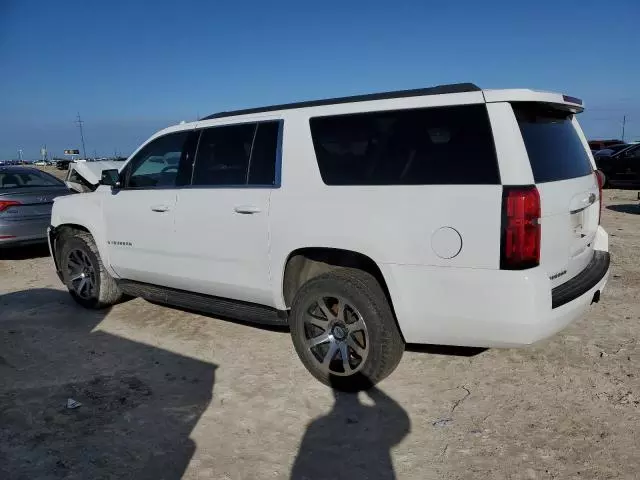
(72, 404)
(443, 422)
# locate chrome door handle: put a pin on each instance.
(159, 208)
(246, 209)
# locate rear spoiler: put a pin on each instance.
(558, 100)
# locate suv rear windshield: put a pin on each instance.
(427, 146)
(554, 147)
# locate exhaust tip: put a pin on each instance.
(596, 297)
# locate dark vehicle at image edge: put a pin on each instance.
(26, 199)
(62, 164)
(621, 169)
(596, 145)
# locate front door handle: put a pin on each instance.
(159, 208)
(246, 209)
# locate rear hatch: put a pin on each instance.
(28, 203)
(569, 194)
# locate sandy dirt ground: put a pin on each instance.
(170, 394)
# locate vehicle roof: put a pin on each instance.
(418, 92)
(465, 93)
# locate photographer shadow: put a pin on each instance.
(138, 403)
(354, 440)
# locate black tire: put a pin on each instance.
(105, 292)
(362, 292)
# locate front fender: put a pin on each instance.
(82, 211)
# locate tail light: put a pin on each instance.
(600, 181)
(4, 204)
(520, 228)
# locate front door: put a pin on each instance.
(222, 220)
(140, 216)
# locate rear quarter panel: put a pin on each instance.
(390, 224)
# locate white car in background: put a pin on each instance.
(449, 215)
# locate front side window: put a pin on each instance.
(426, 146)
(164, 162)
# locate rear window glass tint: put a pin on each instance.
(223, 155)
(430, 146)
(262, 165)
(554, 147)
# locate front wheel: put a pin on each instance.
(83, 273)
(344, 331)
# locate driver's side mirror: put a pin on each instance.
(111, 178)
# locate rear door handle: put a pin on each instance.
(160, 208)
(246, 209)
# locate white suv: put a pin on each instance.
(449, 215)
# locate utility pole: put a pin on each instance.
(624, 122)
(79, 122)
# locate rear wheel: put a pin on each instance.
(344, 331)
(84, 274)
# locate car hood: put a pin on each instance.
(91, 171)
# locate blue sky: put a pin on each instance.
(132, 67)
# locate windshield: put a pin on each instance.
(27, 179)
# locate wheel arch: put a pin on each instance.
(303, 264)
(59, 230)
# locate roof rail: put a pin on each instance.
(418, 92)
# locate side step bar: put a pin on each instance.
(234, 309)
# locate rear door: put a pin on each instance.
(222, 219)
(569, 196)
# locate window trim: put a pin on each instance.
(125, 172)
(278, 167)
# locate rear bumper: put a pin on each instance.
(583, 282)
(23, 232)
(490, 308)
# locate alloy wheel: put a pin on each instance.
(81, 274)
(336, 335)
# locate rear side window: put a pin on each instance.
(237, 155)
(430, 146)
(223, 155)
(553, 145)
(262, 164)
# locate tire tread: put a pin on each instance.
(366, 287)
(108, 292)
